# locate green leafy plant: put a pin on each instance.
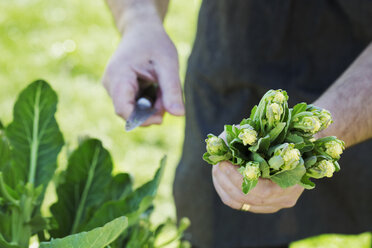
(94, 209)
(278, 143)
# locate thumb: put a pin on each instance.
(170, 86)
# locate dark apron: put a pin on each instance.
(242, 49)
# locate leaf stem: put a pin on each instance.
(84, 195)
(21, 232)
(35, 141)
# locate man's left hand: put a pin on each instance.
(266, 197)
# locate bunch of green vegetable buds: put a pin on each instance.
(277, 143)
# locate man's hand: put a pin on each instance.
(266, 197)
(145, 52)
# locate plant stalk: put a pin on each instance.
(5, 193)
(21, 231)
(84, 195)
(35, 141)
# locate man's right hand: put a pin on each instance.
(145, 52)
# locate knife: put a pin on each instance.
(144, 106)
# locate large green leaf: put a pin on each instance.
(274, 133)
(34, 135)
(5, 161)
(4, 152)
(298, 108)
(119, 187)
(97, 238)
(289, 178)
(86, 178)
(132, 206)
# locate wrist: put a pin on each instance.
(134, 13)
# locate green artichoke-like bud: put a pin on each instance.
(323, 115)
(279, 97)
(215, 145)
(248, 135)
(291, 157)
(329, 146)
(274, 112)
(273, 108)
(325, 119)
(334, 148)
(217, 150)
(251, 171)
(323, 168)
(286, 157)
(308, 124)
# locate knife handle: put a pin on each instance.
(147, 90)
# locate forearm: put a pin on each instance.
(349, 100)
(128, 12)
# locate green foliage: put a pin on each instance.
(85, 184)
(363, 240)
(32, 32)
(285, 148)
(96, 238)
(38, 37)
(94, 209)
(35, 135)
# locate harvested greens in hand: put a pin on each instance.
(277, 142)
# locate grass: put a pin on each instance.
(68, 43)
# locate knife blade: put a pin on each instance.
(144, 106)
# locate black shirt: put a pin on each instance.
(242, 49)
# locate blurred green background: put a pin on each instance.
(68, 43)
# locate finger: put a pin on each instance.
(123, 89)
(234, 192)
(169, 82)
(263, 209)
(145, 71)
(262, 195)
(156, 118)
(234, 197)
(291, 197)
(280, 198)
(231, 202)
(265, 188)
(225, 197)
(153, 120)
(231, 172)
